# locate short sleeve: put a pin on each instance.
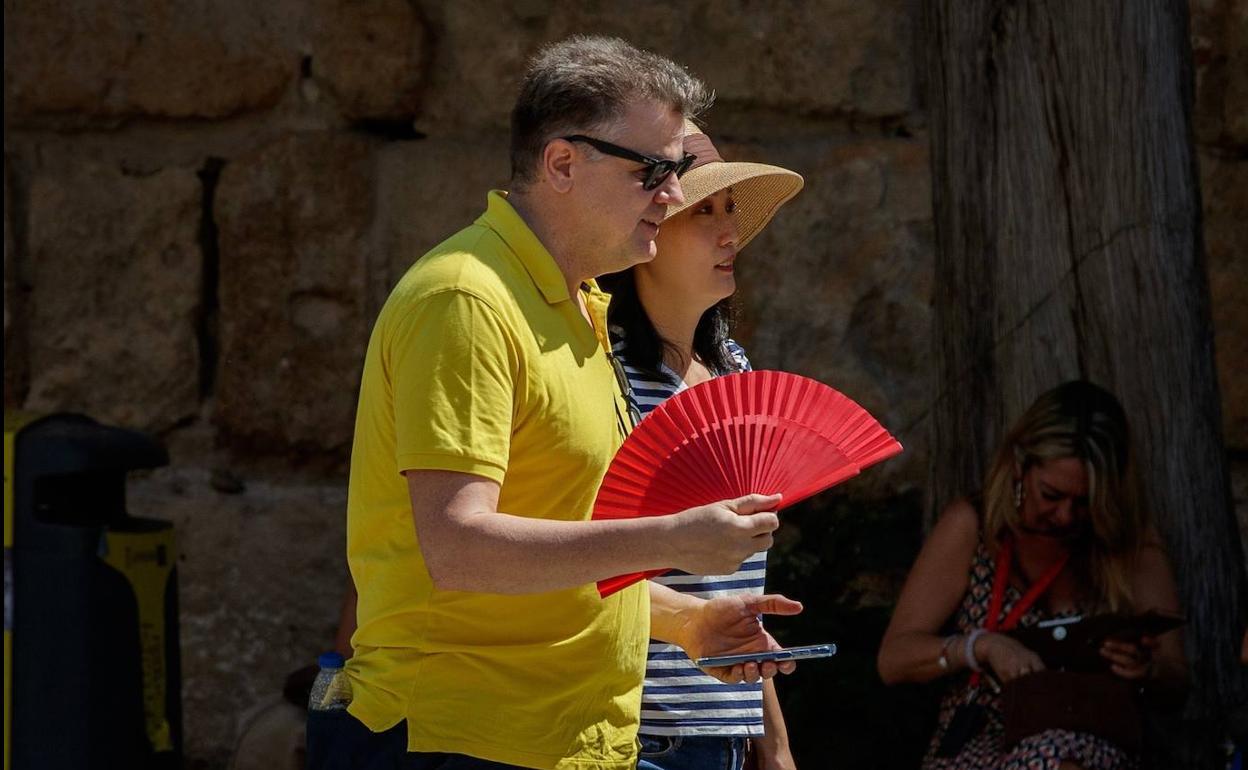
(453, 371)
(736, 354)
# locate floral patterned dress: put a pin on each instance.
(1043, 751)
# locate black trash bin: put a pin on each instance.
(92, 664)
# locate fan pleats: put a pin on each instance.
(753, 432)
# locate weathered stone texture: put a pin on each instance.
(831, 56)
(10, 277)
(293, 222)
(1235, 104)
(426, 191)
(116, 277)
(14, 353)
(468, 89)
(1224, 186)
(838, 287)
(261, 577)
(98, 59)
(1219, 30)
(371, 56)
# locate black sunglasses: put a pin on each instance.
(657, 169)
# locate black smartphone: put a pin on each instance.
(788, 653)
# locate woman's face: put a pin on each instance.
(1055, 499)
(696, 251)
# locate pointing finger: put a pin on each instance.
(772, 604)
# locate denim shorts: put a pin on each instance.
(691, 752)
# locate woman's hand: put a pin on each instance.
(1130, 660)
(1006, 656)
(728, 625)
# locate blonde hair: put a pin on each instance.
(1080, 420)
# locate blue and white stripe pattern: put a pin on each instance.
(678, 699)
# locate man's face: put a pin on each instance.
(620, 218)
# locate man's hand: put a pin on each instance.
(714, 539)
(728, 625)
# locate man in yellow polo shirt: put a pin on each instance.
(488, 414)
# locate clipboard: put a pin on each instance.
(1073, 644)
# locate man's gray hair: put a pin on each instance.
(581, 84)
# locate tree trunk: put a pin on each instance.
(1069, 246)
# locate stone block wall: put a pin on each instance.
(206, 205)
(324, 146)
(1219, 30)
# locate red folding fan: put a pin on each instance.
(753, 432)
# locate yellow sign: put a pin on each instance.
(146, 559)
(13, 424)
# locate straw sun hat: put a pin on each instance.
(758, 189)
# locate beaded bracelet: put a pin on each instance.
(968, 650)
(943, 660)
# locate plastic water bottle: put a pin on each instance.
(331, 691)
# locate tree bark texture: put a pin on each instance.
(1069, 245)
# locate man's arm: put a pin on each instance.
(469, 545)
(347, 622)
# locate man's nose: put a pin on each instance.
(670, 193)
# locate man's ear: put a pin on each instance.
(557, 161)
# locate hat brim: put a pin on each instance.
(758, 190)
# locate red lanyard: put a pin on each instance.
(1005, 557)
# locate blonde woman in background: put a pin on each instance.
(1062, 522)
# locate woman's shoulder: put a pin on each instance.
(963, 533)
(961, 517)
(958, 529)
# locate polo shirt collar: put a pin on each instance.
(596, 302)
(503, 219)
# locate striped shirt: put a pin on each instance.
(678, 699)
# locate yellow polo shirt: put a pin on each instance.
(481, 363)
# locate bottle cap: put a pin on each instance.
(330, 660)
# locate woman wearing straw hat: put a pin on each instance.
(670, 320)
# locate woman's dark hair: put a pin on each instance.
(643, 347)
